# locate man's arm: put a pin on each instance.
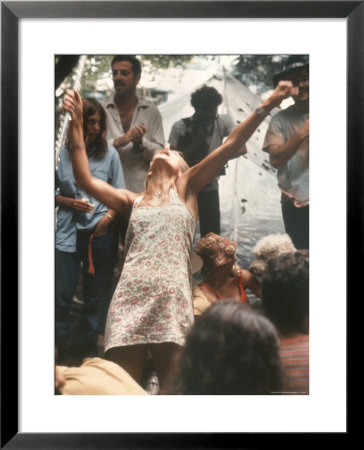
(280, 154)
(133, 136)
(115, 135)
(135, 140)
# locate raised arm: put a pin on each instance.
(116, 199)
(209, 168)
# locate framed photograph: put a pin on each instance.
(32, 33)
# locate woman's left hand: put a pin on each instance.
(72, 104)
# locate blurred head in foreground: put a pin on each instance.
(232, 350)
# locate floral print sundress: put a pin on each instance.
(153, 299)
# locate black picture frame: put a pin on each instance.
(11, 12)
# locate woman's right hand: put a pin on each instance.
(283, 90)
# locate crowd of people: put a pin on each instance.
(119, 186)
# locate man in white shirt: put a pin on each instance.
(134, 126)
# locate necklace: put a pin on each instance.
(157, 194)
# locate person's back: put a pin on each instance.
(294, 352)
(285, 294)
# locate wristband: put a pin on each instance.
(261, 112)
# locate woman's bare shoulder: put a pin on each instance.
(127, 198)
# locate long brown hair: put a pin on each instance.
(90, 107)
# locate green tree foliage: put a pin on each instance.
(165, 61)
(96, 78)
(258, 70)
(97, 72)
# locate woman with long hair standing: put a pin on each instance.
(85, 233)
(152, 304)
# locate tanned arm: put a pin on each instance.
(115, 199)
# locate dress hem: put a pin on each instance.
(180, 343)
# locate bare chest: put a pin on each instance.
(126, 117)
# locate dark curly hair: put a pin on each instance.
(135, 63)
(285, 290)
(231, 350)
(206, 97)
(90, 107)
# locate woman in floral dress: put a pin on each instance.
(152, 304)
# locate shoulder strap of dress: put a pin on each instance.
(137, 201)
(173, 195)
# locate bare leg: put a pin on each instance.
(131, 358)
(165, 357)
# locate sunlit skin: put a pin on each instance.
(172, 158)
(165, 164)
